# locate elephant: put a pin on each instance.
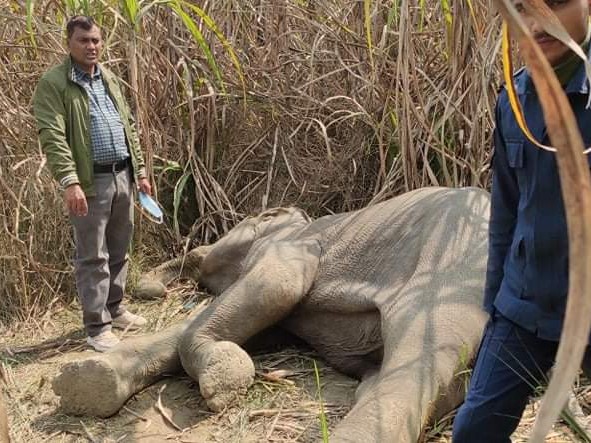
(390, 294)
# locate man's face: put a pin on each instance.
(85, 46)
(574, 16)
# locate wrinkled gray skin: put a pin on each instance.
(390, 294)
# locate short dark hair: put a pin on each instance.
(79, 21)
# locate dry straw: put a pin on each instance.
(246, 104)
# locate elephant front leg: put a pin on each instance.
(272, 284)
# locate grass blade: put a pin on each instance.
(322, 415)
(225, 43)
(199, 39)
(29, 5)
(367, 20)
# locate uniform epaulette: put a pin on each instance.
(516, 74)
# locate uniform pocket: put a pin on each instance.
(515, 153)
(516, 160)
(518, 253)
(518, 248)
(515, 267)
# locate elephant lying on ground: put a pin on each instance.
(390, 294)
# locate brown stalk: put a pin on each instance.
(303, 62)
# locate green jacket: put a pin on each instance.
(63, 121)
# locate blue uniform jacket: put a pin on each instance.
(527, 275)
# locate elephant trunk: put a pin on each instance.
(153, 284)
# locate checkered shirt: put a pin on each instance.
(107, 135)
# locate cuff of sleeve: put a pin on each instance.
(141, 173)
(71, 179)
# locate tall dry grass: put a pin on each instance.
(328, 105)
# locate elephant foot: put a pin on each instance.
(90, 387)
(224, 372)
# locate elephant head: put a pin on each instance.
(220, 268)
(213, 266)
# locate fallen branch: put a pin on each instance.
(165, 414)
(54, 344)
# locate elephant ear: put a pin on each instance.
(576, 190)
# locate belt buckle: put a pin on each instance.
(118, 166)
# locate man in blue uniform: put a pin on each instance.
(527, 275)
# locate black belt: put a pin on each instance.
(111, 167)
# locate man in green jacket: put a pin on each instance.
(86, 131)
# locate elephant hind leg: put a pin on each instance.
(354, 351)
(100, 385)
(418, 377)
(90, 387)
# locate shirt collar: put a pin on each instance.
(81, 74)
(577, 84)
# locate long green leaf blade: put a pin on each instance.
(198, 37)
(29, 5)
(210, 23)
(367, 19)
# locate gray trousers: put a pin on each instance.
(102, 239)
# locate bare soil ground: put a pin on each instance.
(285, 404)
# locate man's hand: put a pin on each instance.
(144, 185)
(75, 200)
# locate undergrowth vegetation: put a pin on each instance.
(249, 104)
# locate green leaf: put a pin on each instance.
(323, 421)
(393, 14)
(29, 5)
(210, 23)
(422, 11)
(447, 13)
(130, 10)
(198, 37)
(367, 15)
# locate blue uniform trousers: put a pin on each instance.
(512, 362)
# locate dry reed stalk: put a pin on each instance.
(343, 103)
